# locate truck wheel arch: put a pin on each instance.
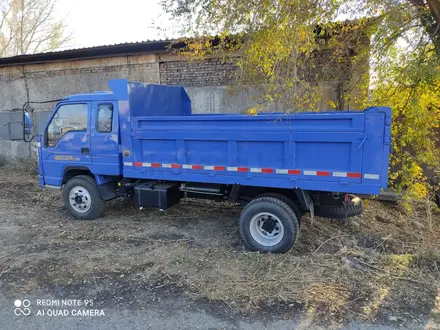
(71, 171)
(107, 190)
(292, 203)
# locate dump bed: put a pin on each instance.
(326, 151)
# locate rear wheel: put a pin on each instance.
(268, 224)
(342, 210)
(82, 198)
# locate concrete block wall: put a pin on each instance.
(15, 149)
(55, 80)
(11, 125)
(13, 91)
(51, 81)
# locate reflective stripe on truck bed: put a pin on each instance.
(352, 175)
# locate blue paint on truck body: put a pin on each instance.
(154, 136)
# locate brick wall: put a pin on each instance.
(192, 73)
(218, 72)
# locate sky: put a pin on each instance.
(104, 22)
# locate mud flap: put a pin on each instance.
(304, 199)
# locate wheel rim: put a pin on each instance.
(267, 229)
(80, 199)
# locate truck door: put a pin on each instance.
(105, 138)
(66, 141)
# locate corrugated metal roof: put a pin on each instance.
(149, 46)
(113, 45)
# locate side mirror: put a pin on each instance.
(27, 127)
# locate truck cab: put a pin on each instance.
(81, 136)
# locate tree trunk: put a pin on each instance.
(429, 13)
(434, 8)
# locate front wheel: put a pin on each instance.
(268, 224)
(82, 198)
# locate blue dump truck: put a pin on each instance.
(141, 141)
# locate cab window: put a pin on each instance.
(105, 115)
(69, 117)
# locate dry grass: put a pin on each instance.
(384, 257)
(22, 165)
(380, 265)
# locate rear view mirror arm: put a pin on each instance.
(24, 116)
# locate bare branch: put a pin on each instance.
(40, 20)
(5, 14)
(29, 26)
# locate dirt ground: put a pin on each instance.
(382, 266)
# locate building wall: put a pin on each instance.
(207, 83)
(15, 149)
(49, 81)
(192, 73)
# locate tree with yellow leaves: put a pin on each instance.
(277, 40)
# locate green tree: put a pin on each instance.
(30, 26)
(277, 40)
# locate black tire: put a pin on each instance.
(340, 211)
(280, 210)
(97, 203)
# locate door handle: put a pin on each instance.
(85, 151)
